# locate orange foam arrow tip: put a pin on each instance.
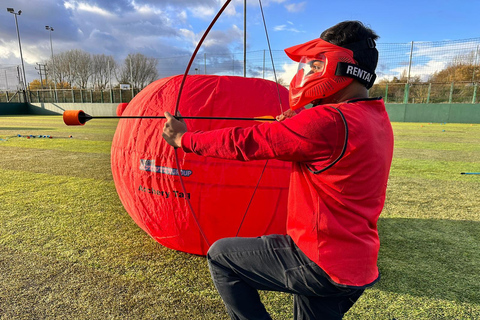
(265, 118)
(72, 117)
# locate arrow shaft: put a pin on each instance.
(78, 117)
(88, 117)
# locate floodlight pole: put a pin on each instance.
(49, 28)
(245, 38)
(12, 11)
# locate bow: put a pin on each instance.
(178, 104)
(192, 58)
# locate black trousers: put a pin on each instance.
(241, 266)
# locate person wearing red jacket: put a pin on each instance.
(341, 151)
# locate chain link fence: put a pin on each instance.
(11, 84)
(415, 72)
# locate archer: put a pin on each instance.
(341, 152)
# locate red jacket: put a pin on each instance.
(332, 215)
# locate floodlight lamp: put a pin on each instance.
(10, 10)
(47, 27)
(19, 12)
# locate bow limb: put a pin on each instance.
(192, 58)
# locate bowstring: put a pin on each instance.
(281, 111)
(271, 56)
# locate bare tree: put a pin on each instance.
(138, 70)
(62, 70)
(72, 67)
(103, 67)
(81, 66)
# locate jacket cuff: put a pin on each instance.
(187, 142)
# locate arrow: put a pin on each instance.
(79, 118)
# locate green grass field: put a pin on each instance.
(68, 249)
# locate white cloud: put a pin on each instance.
(86, 7)
(285, 74)
(288, 71)
(208, 11)
(167, 28)
(217, 41)
(145, 9)
(95, 10)
(296, 7)
(223, 39)
(203, 12)
(284, 27)
(188, 35)
(182, 16)
(69, 5)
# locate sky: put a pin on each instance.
(171, 28)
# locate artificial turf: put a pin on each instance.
(68, 249)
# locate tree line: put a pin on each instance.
(462, 68)
(81, 70)
(77, 69)
(457, 79)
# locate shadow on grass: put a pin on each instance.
(26, 128)
(42, 109)
(430, 258)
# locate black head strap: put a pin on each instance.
(364, 76)
(361, 45)
(364, 52)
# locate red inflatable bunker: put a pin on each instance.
(146, 176)
(120, 108)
